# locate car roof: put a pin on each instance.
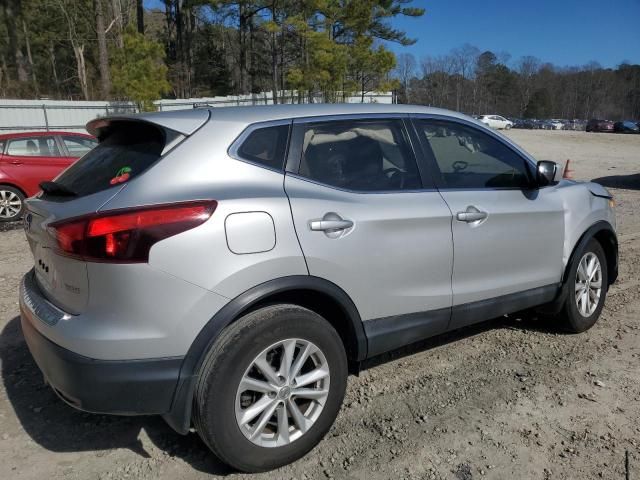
(187, 121)
(40, 133)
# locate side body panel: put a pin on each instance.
(396, 259)
(517, 247)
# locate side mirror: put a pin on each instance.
(546, 173)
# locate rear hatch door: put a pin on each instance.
(127, 148)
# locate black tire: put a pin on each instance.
(225, 365)
(7, 192)
(572, 320)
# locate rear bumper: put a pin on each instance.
(128, 387)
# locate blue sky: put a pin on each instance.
(563, 32)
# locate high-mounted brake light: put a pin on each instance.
(126, 236)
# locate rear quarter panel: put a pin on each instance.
(200, 168)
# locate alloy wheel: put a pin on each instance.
(282, 393)
(10, 204)
(588, 287)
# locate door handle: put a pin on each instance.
(472, 214)
(330, 225)
(16, 162)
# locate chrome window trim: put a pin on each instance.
(232, 151)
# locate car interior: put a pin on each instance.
(364, 159)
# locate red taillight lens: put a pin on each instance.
(127, 235)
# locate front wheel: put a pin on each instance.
(586, 289)
(270, 387)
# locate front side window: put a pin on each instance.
(78, 146)
(266, 146)
(470, 158)
(359, 155)
(33, 147)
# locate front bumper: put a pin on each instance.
(127, 387)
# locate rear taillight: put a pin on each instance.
(126, 236)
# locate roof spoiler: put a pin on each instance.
(185, 122)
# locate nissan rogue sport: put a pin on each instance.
(227, 268)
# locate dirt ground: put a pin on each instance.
(510, 399)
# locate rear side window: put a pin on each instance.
(78, 146)
(125, 150)
(359, 155)
(265, 146)
(1, 147)
(33, 147)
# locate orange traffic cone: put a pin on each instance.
(567, 173)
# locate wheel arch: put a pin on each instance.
(5, 183)
(314, 293)
(604, 233)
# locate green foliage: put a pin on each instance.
(138, 70)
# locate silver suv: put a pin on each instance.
(228, 268)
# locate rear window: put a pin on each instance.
(125, 150)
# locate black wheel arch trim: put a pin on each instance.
(590, 233)
(179, 417)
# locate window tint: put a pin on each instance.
(78, 146)
(266, 146)
(34, 147)
(125, 150)
(361, 155)
(1, 147)
(469, 158)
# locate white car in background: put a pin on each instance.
(557, 124)
(496, 121)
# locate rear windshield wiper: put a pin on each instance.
(53, 188)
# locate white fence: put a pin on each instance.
(25, 115)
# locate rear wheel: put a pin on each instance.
(270, 387)
(586, 288)
(11, 204)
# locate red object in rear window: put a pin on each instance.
(126, 236)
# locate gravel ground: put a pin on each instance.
(510, 399)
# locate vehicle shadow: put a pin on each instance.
(57, 427)
(629, 182)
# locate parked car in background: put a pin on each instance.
(626, 126)
(575, 124)
(596, 125)
(28, 158)
(259, 253)
(496, 121)
(556, 124)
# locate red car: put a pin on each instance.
(596, 125)
(28, 158)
